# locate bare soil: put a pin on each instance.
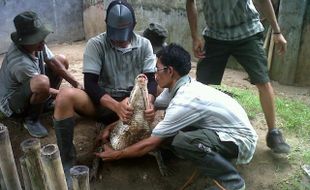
(264, 171)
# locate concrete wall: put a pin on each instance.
(64, 17)
(74, 20)
(303, 68)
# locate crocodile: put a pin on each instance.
(137, 128)
(124, 135)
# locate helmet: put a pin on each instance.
(120, 20)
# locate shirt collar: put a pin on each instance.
(182, 81)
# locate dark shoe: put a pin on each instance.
(276, 142)
(35, 128)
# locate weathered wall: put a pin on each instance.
(303, 67)
(170, 14)
(73, 20)
(64, 17)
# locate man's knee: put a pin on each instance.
(40, 84)
(65, 96)
(63, 60)
(264, 87)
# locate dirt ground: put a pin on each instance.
(264, 172)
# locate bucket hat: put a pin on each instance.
(120, 20)
(29, 29)
(157, 35)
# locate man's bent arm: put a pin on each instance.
(60, 70)
(136, 150)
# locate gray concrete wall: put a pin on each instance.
(303, 67)
(64, 17)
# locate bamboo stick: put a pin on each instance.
(80, 177)
(31, 148)
(52, 167)
(267, 39)
(270, 52)
(25, 174)
(2, 184)
(7, 161)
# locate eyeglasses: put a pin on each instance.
(156, 70)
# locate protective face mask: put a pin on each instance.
(124, 50)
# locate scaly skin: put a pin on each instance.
(124, 135)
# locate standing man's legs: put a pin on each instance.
(251, 55)
(274, 137)
(266, 97)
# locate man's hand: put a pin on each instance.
(78, 86)
(124, 111)
(198, 48)
(280, 42)
(109, 154)
(149, 114)
(53, 92)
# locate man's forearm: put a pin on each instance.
(268, 11)
(107, 101)
(141, 148)
(61, 71)
(192, 17)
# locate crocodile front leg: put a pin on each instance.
(161, 164)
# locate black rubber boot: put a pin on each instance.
(221, 170)
(64, 133)
(32, 123)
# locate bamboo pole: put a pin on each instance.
(270, 52)
(31, 148)
(25, 174)
(2, 184)
(52, 167)
(7, 161)
(80, 177)
(267, 38)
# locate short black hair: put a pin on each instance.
(177, 57)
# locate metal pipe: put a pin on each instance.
(25, 174)
(31, 148)
(80, 177)
(7, 161)
(52, 167)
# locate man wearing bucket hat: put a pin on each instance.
(157, 34)
(111, 62)
(27, 84)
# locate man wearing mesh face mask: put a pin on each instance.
(112, 60)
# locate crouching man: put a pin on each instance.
(31, 74)
(208, 127)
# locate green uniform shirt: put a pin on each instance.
(18, 67)
(117, 69)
